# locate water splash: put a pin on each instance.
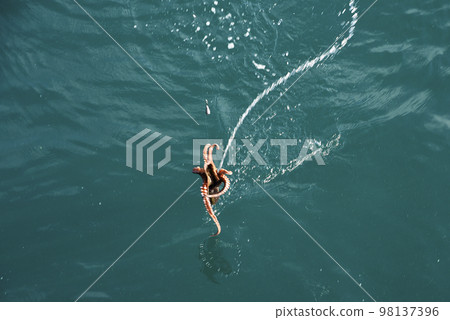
(332, 50)
(323, 150)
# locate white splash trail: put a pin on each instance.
(334, 48)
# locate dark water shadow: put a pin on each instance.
(214, 264)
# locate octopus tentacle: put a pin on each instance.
(199, 171)
(225, 188)
(205, 153)
(211, 149)
(225, 171)
(208, 206)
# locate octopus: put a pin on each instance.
(212, 180)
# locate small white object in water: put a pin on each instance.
(230, 38)
(197, 30)
(216, 3)
(231, 45)
(135, 26)
(213, 10)
(207, 110)
(258, 66)
(208, 23)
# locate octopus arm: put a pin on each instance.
(205, 154)
(225, 188)
(208, 206)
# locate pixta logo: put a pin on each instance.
(146, 142)
(307, 151)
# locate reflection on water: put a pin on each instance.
(215, 256)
